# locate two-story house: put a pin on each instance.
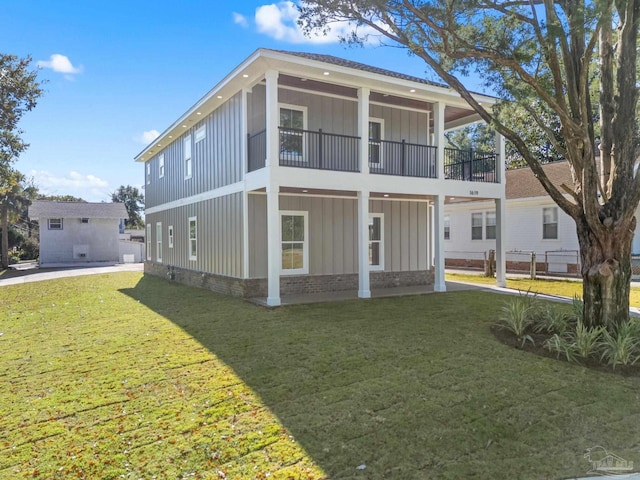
(304, 172)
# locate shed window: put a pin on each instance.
(490, 227)
(55, 224)
(447, 227)
(550, 223)
(84, 220)
(476, 226)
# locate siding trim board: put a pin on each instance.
(201, 197)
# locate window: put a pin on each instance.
(193, 238)
(170, 235)
(55, 224)
(375, 142)
(187, 157)
(161, 166)
(447, 227)
(376, 246)
(490, 227)
(293, 124)
(550, 223)
(159, 241)
(294, 234)
(84, 220)
(149, 241)
(476, 226)
(148, 173)
(201, 133)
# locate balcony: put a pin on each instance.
(330, 151)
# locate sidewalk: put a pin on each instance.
(35, 274)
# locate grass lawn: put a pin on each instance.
(564, 288)
(124, 376)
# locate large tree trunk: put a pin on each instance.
(606, 274)
(4, 224)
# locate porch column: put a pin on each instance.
(273, 118)
(274, 250)
(501, 261)
(438, 137)
(363, 245)
(438, 247)
(501, 213)
(363, 132)
(245, 193)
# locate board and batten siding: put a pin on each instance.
(333, 233)
(219, 235)
(216, 161)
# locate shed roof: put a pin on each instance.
(50, 209)
(522, 183)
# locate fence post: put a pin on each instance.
(320, 148)
(533, 265)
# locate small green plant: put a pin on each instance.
(577, 308)
(516, 317)
(562, 346)
(551, 320)
(621, 347)
(586, 339)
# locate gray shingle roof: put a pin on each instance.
(521, 183)
(48, 209)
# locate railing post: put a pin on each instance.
(320, 148)
(403, 158)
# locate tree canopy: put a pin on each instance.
(134, 203)
(547, 57)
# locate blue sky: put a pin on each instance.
(118, 72)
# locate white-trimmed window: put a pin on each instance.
(159, 241)
(447, 227)
(193, 238)
(170, 235)
(188, 167)
(293, 121)
(376, 135)
(294, 228)
(550, 223)
(376, 241)
(490, 226)
(161, 166)
(201, 133)
(148, 164)
(149, 241)
(476, 226)
(54, 223)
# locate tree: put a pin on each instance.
(19, 93)
(134, 203)
(15, 196)
(544, 56)
(60, 198)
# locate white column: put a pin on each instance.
(274, 250)
(438, 136)
(363, 128)
(438, 247)
(501, 160)
(364, 290)
(501, 241)
(245, 194)
(273, 118)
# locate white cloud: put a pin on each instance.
(86, 186)
(280, 21)
(60, 64)
(147, 137)
(240, 19)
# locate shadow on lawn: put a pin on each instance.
(395, 384)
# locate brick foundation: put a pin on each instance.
(289, 285)
(512, 266)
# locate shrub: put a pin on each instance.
(621, 347)
(516, 317)
(577, 308)
(551, 320)
(562, 346)
(586, 339)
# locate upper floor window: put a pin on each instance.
(476, 226)
(161, 166)
(148, 173)
(201, 133)
(376, 241)
(490, 227)
(187, 157)
(292, 123)
(55, 224)
(550, 223)
(375, 142)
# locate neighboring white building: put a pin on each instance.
(534, 223)
(78, 232)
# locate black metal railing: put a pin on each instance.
(402, 158)
(470, 165)
(256, 150)
(319, 150)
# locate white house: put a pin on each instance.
(78, 232)
(305, 172)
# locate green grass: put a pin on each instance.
(563, 288)
(123, 376)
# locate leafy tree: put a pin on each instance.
(15, 196)
(134, 203)
(59, 198)
(19, 93)
(546, 53)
